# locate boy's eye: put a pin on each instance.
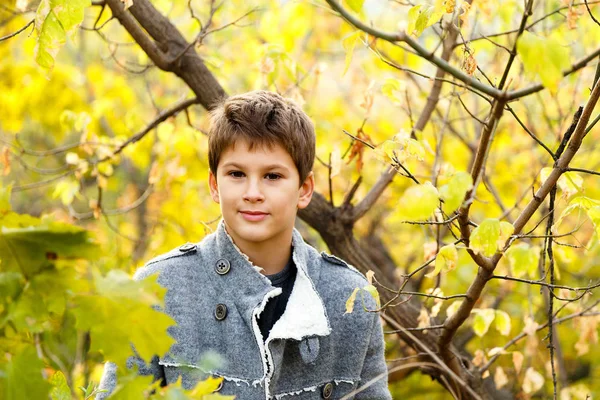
(273, 176)
(236, 174)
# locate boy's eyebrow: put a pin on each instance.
(270, 166)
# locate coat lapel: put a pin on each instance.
(305, 313)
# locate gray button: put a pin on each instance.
(327, 390)
(222, 266)
(220, 312)
(187, 247)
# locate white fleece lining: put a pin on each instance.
(304, 314)
(227, 378)
(264, 350)
(309, 389)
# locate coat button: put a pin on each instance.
(220, 312)
(327, 390)
(222, 266)
(187, 247)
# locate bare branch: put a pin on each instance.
(590, 12)
(162, 117)
(3, 38)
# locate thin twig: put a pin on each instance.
(17, 32)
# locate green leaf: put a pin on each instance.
(350, 301)
(51, 38)
(577, 203)
(453, 193)
(523, 260)
(422, 16)
(446, 259)
(484, 238)
(418, 202)
(392, 88)
(503, 322)
(544, 57)
(42, 299)
(506, 229)
(70, 13)
(67, 190)
(355, 5)
(372, 290)
(60, 389)
(23, 377)
(121, 314)
(349, 42)
(5, 192)
(21, 234)
(483, 320)
(54, 20)
(131, 386)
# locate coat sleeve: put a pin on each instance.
(108, 381)
(374, 371)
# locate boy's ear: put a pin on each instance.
(214, 188)
(306, 191)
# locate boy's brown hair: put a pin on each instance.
(262, 118)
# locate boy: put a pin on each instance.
(254, 291)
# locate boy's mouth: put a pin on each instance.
(253, 215)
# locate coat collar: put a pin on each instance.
(305, 313)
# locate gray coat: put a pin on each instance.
(313, 351)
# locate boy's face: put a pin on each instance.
(259, 192)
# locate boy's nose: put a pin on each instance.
(253, 192)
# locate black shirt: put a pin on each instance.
(276, 305)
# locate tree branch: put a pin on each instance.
(3, 38)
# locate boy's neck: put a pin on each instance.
(270, 256)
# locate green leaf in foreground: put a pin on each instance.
(21, 378)
(121, 314)
(19, 234)
(60, 389)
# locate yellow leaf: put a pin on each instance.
(423, 319)
(500, 378)
(350, 301)
(502, 322)
(452, 308)
(517, 358)
(533, 381)
(453, 193)
(349, 42)
(71, 158)
(483, 319)
(544, 57)
(484, 238)
(336, 161)
(355, 5)
(369, 276)
(506, 229)
(418, 202)
(446, 259)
